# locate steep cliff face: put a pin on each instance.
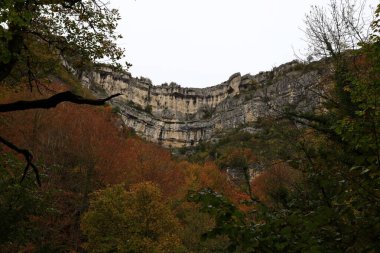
(176, 116)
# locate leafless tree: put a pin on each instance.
(339, 27)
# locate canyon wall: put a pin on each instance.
(175, 116)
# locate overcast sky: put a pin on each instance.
(200, 43)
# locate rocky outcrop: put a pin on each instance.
(176, 116)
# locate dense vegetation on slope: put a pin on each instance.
(105, 190)
(325, 195)
(81, 151)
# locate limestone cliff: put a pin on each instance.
(176, 116)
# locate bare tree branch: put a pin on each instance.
(339, 27)
(28, 158)
(53, 101)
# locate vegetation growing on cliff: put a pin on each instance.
(333, 204)
(106, 190)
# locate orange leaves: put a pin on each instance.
(238, 157)
(275, 183)
(137, 161)
(197, 176)
(81, 149)
(82, 137)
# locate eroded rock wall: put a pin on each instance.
(176, 116)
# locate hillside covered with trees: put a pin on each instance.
(74, 179)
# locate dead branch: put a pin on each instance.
(53, 101)
(28, 158)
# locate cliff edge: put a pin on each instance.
(175, 116)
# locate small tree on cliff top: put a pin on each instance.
(339, 27)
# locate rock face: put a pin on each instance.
(175, 116)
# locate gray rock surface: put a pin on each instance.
(185, 116)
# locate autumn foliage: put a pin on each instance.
(134, 220)
(82, 149)
(273, 185)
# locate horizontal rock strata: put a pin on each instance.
(175, 116)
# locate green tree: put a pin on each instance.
(36, 36)
(335, 207)
(21, 206)
(195, 224)
(137, 220)
(84, 28)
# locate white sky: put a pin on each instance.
(200, 43)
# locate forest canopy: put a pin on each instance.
(316, 180)
(81, 28)
(38, 37)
